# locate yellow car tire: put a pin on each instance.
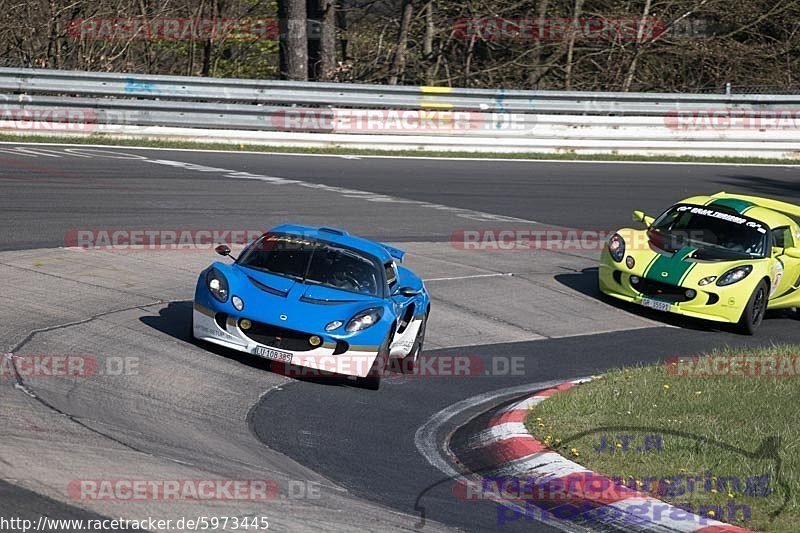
(754, 311)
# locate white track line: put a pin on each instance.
(498, 275)
(428, 446)
(427, 158)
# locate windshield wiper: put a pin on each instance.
(268, 271)
(708, 248)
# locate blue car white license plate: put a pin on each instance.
(275, 355)
(658, 305)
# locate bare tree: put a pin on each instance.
(572, 35)
(539, 70)
(293, 42)
(399, 60)
(322, 43)
(706, 43)
(427, 44)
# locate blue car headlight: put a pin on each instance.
(364, 319)
(734, 275)
(616, 247)
(217, 285)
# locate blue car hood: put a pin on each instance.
(307, 307)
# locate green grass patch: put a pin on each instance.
(736, 437)
(159, 143)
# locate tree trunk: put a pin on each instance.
(322, 42)
(427, 45)
(538, 70)
(341, 23)
(293, 43)
(149, 60)
(468, 61)
(571, 46)
(639, 37)
(208, 44)
(399, 60)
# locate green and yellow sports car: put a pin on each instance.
(725, 257)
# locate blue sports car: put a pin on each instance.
(316, 298)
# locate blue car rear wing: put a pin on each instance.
(397, 253)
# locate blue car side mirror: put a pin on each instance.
(408, 292)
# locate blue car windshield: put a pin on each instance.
(718, 234)
(314, 262)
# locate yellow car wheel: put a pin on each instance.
(755, 309)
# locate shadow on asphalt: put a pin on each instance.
(585, 282)
(760, 185)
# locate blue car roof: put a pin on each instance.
(337, 236)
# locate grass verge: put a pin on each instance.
(722, 447)
(567, 156)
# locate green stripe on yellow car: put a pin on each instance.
(671, 270)
(653, 260)
(740, 206)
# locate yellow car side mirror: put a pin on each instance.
(792, 252)
(639, 216)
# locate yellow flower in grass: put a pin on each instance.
(666, 386)
(698, 392)
(711, 513)
(575, 452)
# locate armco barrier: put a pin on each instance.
(39, 101)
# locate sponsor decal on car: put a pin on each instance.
(777, 276)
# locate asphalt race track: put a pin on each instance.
(159, 407)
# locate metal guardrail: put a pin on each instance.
(154, 105)
(287, 93)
